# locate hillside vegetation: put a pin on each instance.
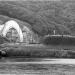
(42, 16)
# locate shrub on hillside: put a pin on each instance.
(35, 52)
(59, 40)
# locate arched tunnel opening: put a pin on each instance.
(12, 35)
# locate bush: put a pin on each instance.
(36, 52)
(59, 40)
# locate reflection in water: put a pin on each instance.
(34, 69)
(26, 69)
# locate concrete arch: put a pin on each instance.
(12, 24)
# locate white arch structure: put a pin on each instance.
(12, 24)
(27, 31)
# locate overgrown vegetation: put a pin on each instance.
(43, 16)
(36, 52)
(4, 40)
(59, 40)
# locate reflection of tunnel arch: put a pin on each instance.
(12, 24)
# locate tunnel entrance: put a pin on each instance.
(12, 35)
